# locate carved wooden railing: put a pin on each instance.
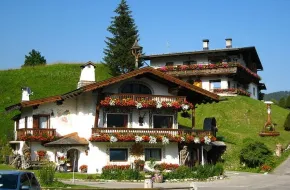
(25, 132)
(204, 72)
(151, 131)
(139, 97)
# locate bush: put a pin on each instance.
(46, 174)
(254, 154)
(199, 172)
(165, 166)
(287, 123)
(115, 172)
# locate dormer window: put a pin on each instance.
(169, 63)
(135, 88)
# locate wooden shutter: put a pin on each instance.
(35, 121)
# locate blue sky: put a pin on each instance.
(75, 30)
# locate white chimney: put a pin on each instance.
(25, 93)
(205, 44)
(87, 74)
(229, 42)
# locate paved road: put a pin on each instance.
(279, 180)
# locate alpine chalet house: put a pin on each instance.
(226, 72)
(115, 121)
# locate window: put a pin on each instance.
(117, 120)
(215, 84)
(169, 63)
(254, 91)
(136, 88)
(24, 180)
(161, 121)
(154, 153)
(41, 121)
(8, 181)
(189, 62)
(119, 154)
(33, 180)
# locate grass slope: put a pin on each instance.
(239, 118)
(43, 80)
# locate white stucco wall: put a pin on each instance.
(253, 89)
(99, 151)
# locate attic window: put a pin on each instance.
(136, 88)
(169, 63)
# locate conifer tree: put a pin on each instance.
(34, 58)
(124, 32)
(282, 102)
(287, 104)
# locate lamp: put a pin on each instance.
(137, 52)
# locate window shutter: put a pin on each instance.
(35, 121)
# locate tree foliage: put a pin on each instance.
(282, 102)
(287, 103)
(254, 153)
(287, 123)
(124, 32)
(34, 58)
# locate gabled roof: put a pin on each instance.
(70, 139)
(250, 49)
(205, 95)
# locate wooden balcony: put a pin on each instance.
(147, 97)
(151, 131)
(31, 134)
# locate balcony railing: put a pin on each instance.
(239, 91)
(35, 134)
(147, 97)
(151, 131)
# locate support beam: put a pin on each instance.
(193, 117)
(96, 125)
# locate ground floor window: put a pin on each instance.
(215, 84)
(162, 121)
(153, 153)
(120, 154)
(117, 120)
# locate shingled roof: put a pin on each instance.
(70, 139)
(201, 95)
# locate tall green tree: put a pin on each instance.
(282, 102)
(34, 58)
(287, 104)
(124, 32)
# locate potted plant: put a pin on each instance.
(84, 168)
(41, 155)
(139, 164)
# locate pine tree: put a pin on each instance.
(282, 102)
(287, 123)
(287, 104)
(124, 32)
(34, 58)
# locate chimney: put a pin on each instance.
(87, 74)
(228, 42)
(205, 44)
(26, 92)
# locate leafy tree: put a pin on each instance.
(287, 103)
(282, 102)
(34, 58)
(124, 32)
(287, 123)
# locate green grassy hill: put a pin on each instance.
(43, 80)
(238, 117)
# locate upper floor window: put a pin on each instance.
(169, 63)
(215, 84)
(135, 88)
(162, 121)
(189, 62)
(41, 121)
(117, 120)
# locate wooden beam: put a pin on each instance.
(193, 117)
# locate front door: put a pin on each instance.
(73, 157)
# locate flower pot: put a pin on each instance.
(84, 170)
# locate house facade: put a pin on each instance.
(115, 121)
(226, 72)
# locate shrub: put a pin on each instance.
(254, 154)
(121, 172)
(46, 174)
(165, 166)
(287, 123)
(180, 173)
